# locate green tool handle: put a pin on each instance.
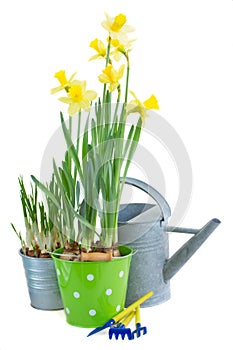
(137, 316)
(132, 307)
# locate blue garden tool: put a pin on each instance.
(139, 329)
(121, 329)
(122, 314)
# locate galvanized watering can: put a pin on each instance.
(143, 227)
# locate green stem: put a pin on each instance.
(100, 129)
(115, 231)
(108, 51)
(78, 131)
(70, 132)
(118, 94)
(127, 79)
(106, 63)
(107, 237)
(77, 141)
(70, 126)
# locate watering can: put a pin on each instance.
(143, 227)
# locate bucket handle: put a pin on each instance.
(162, 203)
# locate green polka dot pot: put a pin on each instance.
(93, 292)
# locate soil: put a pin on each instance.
(73, 252)
(38, 253)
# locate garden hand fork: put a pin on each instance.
(139, 328)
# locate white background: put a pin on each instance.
(184, 54)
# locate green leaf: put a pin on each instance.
(130, 135)
(68, 160)
(46, 191)
(103, 188)
(70, 182)
(89, 183)
(25, 200)
(77, 193)
(82, 219)
(64, 181)
(85, 140)
(133, 146)
(71, 148)
(93, 133)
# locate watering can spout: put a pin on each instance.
(174, 264)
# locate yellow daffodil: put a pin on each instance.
(98, 45)
(151, 103)
(64, 82)
(78, 97)
(117, 28)
(120, 49)
(136, 106)
(111, 76)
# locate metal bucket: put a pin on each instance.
(143, 227)
(42, 283)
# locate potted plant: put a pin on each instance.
(41, 236)
(92, 269)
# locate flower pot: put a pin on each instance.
(42, 283)
(93, 292)
(144, 228)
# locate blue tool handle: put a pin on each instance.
(118, 325)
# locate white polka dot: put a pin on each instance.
(121, 274)
(108, 291)
(67, 310)
(92, 312)
(76, 295)
(58, 272)
(90, 277)
(118, 308)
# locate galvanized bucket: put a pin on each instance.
(143, 227)
(42, 283)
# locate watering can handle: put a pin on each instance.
(162, 203)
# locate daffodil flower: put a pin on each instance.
(120, 49)
(78, 97)
(64, 82)
(117, 28)
(136, 106)
(99, 46)
(111, 76)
